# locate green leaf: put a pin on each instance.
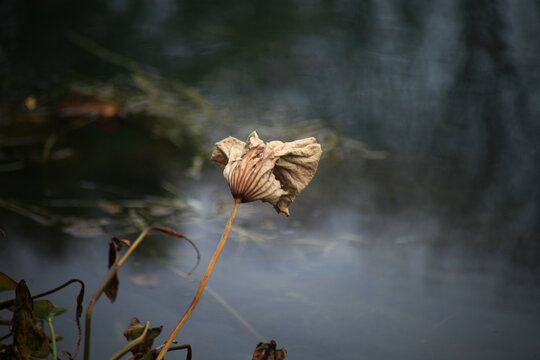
(44, 309)
(7, 283)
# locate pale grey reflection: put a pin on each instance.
(326, 288)
(333, 280)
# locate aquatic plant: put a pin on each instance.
(274, 172)
(29, 338)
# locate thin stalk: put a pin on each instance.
(112, 271)
(53, 338)
(203, 282)
(11, 302)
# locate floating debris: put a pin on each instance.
(79, 105)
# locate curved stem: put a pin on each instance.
(90, 307)
(112, 272)
(203, 282)
(11, 302)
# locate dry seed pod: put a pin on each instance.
(275, 172)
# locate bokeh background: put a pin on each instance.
(418, 237)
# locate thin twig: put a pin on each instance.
(11, 302)
(169, 232)
(182, 347)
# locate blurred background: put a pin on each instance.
(418, 237)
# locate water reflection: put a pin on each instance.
(357, 297)
(418, 238)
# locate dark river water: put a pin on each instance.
(418, 238)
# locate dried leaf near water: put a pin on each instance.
(28, 335)
(269, 351)
(274, 172)
(111, 290)
(135, 330)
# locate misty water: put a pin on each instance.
(418, 238)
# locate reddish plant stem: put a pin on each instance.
(203, 282)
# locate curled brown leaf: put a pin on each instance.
(274, 172)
